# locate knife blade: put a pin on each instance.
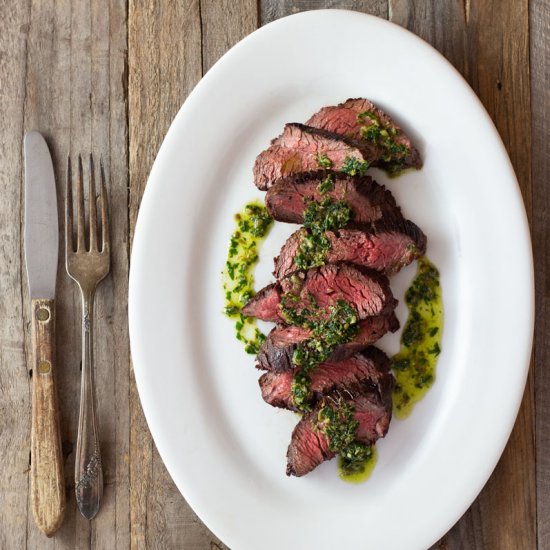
(41, 240)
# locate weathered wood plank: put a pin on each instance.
(165, 62)
(224, 23)
(142, 98)
(75, 95)
(540, 103)
(442, 24)
(488, 43)
(110, 134)
(14, 380)
(274, 9)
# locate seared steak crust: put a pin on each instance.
(276, 352)
(386, 245)
(370, 365)
(288, 198)
(309, 446)
(320, 288)
(297, 150)
(305, 172)
(343, 119)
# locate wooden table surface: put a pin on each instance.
(109, 77)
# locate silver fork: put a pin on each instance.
(87, 263)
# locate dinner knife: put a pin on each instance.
(41, 251)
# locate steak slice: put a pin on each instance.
(371, 365)
(276, 352)
(288, 199)
(309, 445)
(265, 304)
(298, 148)
(318, 289)
(386, 245)
(348, 119)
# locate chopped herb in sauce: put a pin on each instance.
(384, 136)
(339, 425)
(414, 365)
(326, 215)
(323, 161)
(253, 224)
(353, 166)
(330, 327)
(312, 250)
(355, 470)
(327, 184)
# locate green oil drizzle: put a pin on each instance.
(414, 365)
(358, 472)
(252, 226)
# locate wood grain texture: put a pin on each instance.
(224, 23)
(539, 18)
(47, 481)
(165, 63)
(15, 400)
(488, 42)
(275, 9)
(73, 91)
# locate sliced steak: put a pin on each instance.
(276, 352)
(298, 149)
(318, 289)
(309, 445)
(386, 245)
(371, 365)
(265, 304)
(288, 199)
(353, 119)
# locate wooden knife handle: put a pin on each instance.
(47, 480)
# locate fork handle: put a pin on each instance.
(88, 470)
(47, 481)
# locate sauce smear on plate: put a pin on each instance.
(414, 365)
(359, 471)
(252, 226)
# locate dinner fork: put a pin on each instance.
(87, 263)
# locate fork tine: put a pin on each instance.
(81, 238)
(104, 213)
(69, 247)
(93, 206)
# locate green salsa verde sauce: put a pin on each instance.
(336, 420)
(414, 365)
(384, 136)
(319, 217)
(329, 327)
(360, 471)
(253, 223)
